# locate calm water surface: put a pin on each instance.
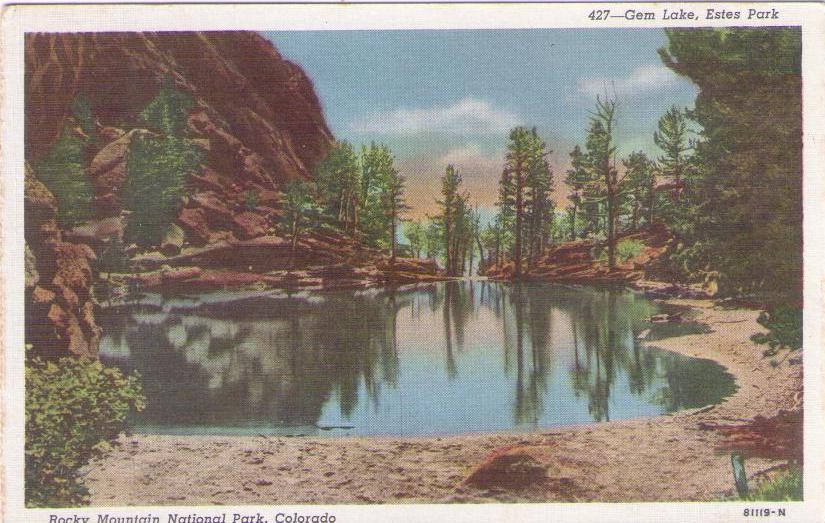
(449, 358)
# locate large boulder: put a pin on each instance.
(193, 222)
(173, 240)
(248, 225)
(508, 468)
(107, 171)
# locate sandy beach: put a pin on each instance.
(664, 458)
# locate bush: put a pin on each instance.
(75, 408)
(62, 171)
(785, 324)
(625, 250)
(251, 198)
(786, 486)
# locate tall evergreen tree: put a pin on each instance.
(63, 168)
(672, 138)
(378, 174)
(576, 180)
(745, 225)
(158, 166)
(538, 205)
(602, 151)
(394, 207)
(449, 215)
(63, 171)
(520, 151)
(641, 190)
(339, 184)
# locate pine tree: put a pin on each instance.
(394, 206)
(520, 151)
(744, 224)
(449, 215)
(416, 235)
(300, 212)
(157, 167)
(538, 205)
(576, 179)
(672, 138)
(640, 189)
(339, 184)
(62, 171)
(602, 150)
(63, 168)
(378, 175)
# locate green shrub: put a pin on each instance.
(786, 486)
(785, 324)
(75, 407)
(625, 250)
(62, 171)
(251, 198)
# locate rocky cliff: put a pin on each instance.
(255, 116)
(59, 306)
(259, 124)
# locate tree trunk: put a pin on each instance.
(498, 248)
(519, 218)
(294, 246)
(611, 230)
(573, 223)
(448, 240)
(651, 202)
(393, 242)
(480, 253)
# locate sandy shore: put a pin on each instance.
(661, 458)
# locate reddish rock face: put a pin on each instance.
(255, 116)
(248, 225)
(59, 306)
(573, 262)
(245, 92)
(107, 171)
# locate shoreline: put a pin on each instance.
(661, 458)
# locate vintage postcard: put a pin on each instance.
(318, 263)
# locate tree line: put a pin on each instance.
(605, 201)
(726, 181)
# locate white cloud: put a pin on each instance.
(471, 160)
(467, 116)
(643, 79)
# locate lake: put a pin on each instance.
(445, 358)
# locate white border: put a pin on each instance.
(17, 20)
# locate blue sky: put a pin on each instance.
(438, 97)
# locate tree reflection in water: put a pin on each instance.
(424, 358)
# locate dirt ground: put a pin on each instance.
(665, 458)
